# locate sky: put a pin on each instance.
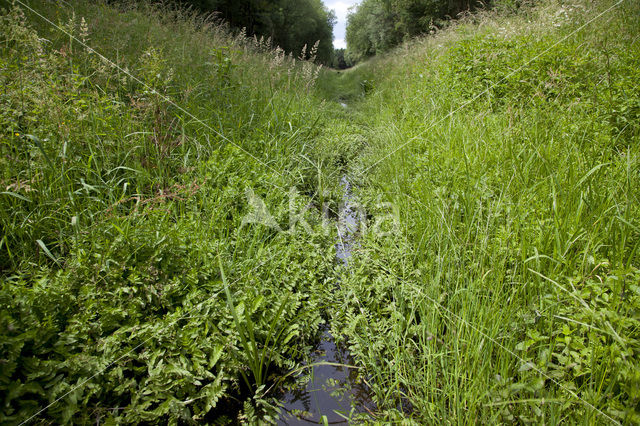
(341, 7)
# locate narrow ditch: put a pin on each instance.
(332, 392)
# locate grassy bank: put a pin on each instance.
(133, 171)
(498, 279)
(165, 258)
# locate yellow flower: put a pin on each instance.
(17, 134)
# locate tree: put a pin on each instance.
(378, 25)
(340, 61)
(291, 24)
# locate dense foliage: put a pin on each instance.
(496, 275)
(123, 186)
(502, 158)
(340, 60)
(289, 24)
(375, 26)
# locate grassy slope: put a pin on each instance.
(122, 194)
(498, 277)
(506, 287)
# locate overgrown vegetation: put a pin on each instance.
(507, 288)
(376, 26)
(165, 257)
(122, 186)
(288, 24)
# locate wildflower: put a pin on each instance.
(17, 134)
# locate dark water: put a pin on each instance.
(331, 391)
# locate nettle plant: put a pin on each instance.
(585, 340)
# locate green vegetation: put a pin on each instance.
(289, 24)
(340, 61)
(165, 258)
(122, 187)
(375, 26)
(507, 288)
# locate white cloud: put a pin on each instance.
(339, 43)
(341, 8)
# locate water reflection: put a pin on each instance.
(330, 391)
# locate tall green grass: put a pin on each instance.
(508, 289)
(123, 179)
(496, 281)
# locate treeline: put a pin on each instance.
(341, 60)
(378, 25)
(290, 24)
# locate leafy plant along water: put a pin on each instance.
(333, 391)
(496, 279)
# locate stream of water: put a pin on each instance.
(332, 392)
